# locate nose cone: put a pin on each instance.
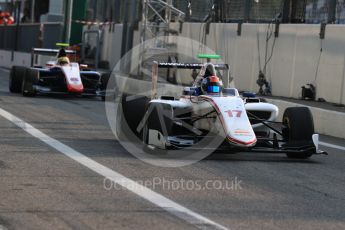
(232, 114)
(241, 142)
(73, 78)
(75, 88)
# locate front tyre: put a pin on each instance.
(299, 129)
(16, 79)
(30, 78)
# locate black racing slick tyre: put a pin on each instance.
(158, 118)
(16, 79)
(133, 108)
(299, 125)
(30, 78)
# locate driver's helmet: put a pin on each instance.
(63, 61)
(211, 85)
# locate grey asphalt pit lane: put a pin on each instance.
(3, 165)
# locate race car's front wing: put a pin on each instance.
(263, 145)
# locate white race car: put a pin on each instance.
(57, 77)
(207, 110)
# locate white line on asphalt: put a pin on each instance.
(332, 146)
(168, 205)
(2, 227)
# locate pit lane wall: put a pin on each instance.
(325, 121)
(11, 58)
(16, 41)
(296, 57)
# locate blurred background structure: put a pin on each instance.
(71, 14)
(293, 42)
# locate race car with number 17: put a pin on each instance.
(248, 124)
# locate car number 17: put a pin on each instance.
(234, 113)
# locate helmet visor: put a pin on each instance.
(213, 89)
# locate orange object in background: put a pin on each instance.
(6, 18)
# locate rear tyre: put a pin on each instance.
(299, 129)
(16, 79)
(30, 78)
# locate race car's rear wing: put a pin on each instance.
(48, 52)
(190, 65)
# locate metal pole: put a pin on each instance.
(95, 10)
(98, 52)
(15, 48)
(332, 11)
(342, 87)
(33, 11)
(287, 10)
(247, 7)
(125, 28)
(143, 34)
(17, 26)
(22, 5)
(69, 20)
